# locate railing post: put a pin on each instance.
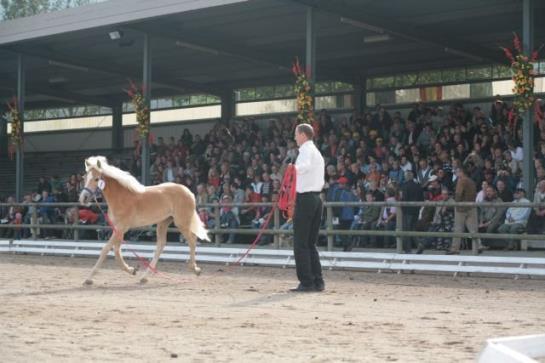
(329, 228)
(276, 225)
(217, 236)
(399, 228)
(75, 222)
(34, 221)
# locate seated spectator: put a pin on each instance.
(366, 220)
(503, 193)
(228, 219)
(536, 222)
(490, 214)
(443, 221)
(387, 220)
(516, 219)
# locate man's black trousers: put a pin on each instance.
(306, 224)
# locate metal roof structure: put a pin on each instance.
(214, 46)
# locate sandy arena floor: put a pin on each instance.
(246, 315)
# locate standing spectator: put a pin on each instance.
(464, 217)
(43, 184)
(345, 215)
(410, 192)
(516, 218)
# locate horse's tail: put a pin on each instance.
(197, 228)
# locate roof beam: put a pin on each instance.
(69, 62)
(70, 97)
(212, 46)
(190, 41)
(381, 25)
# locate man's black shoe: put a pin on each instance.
(303, 288)
(320, 286)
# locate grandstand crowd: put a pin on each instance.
(378, 156)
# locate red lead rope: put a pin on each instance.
(286, 199)
(286, 203)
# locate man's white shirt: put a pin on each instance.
(310, 169)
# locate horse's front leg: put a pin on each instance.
(119, 257)
(107, 247)
(162, 229)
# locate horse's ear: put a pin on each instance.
(98, 164)
(87, 163)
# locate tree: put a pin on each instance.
(12, 9)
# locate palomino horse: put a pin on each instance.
(130, 205)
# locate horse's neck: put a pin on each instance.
(114, 193)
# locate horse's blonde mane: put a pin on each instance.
(124, 178)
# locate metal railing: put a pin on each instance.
(275, 230)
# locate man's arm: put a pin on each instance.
(304, 162)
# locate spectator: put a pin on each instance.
(464, 217)
(366, 220)
(490, 213)
(516, 218)
(387, 220)
(43, 184)
(410, 192)
(536, 223)
(228, 219)
(443, 221)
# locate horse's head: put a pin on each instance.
(93, 177)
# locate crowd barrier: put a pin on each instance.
(327, 230)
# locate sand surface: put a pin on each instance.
(246, 315)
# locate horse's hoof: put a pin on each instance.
(143, 280)
(134, 270)
(88, 282)
(197, 271)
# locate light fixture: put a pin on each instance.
(56, 80)
(376, 38)
(462, 54)
(199, 48)
(359, 24)
(68, 66)
(115, 34)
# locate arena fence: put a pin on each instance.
(379, 262)
(218, 253)
(328, 229)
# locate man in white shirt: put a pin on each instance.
(308, 211)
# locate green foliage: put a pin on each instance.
(12, 9)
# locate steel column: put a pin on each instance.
(117, 128)
(19, 157)
(146, 81)
(310, 49)
(528, 171)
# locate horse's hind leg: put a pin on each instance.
(162, 229)
(191, 242)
